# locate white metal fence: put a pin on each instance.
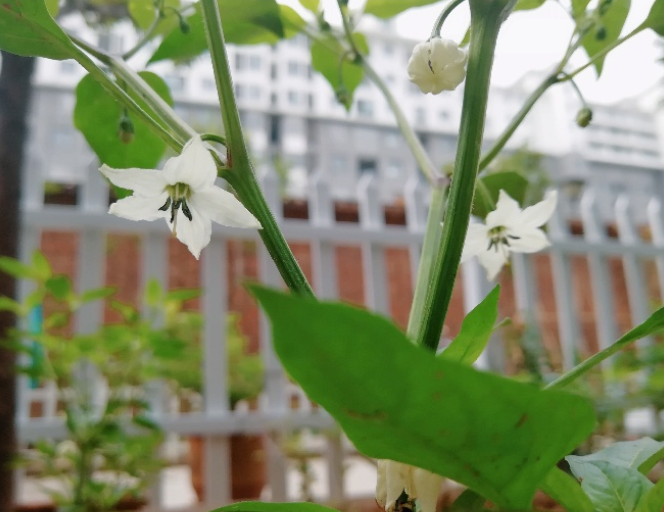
(216, 422)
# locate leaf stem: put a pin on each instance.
(240, 172)
(438, 25)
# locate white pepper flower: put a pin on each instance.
(508, 229)
(395, 478)
(437, 65)
(183, 194)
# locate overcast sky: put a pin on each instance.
(537, 39)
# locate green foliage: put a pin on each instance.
(497, 436)
(389, 8)
(475, 331)
(328, 58)
(143, 13)
(655, 18)
(530, 165)
(26, 28)
(526, 5)
(257, 506)
(653, 500)
(566, 491)
(579, 8)
(244, 22)
(245, 370)
(606, 32)
(97, 115)
(311, 5)
(489, 187)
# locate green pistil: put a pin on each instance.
(178, 195)
(498, 236)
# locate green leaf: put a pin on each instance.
(182, 295)
(389, 8)
(475, 331)
(579, 8)
(17, 269)
(641, 454)
(26, 28)
(292, 21)
(41, 265)
(511, 182)
(97, 116)
(244, 22)
(59, 286)
(655, 18)
(653, 501)
(612, 22)
(7, 304)
(397, 401)
(258, 506)
(468, 501)
(53, 7)
(325, 58)
(153, 293)
(144, 13)
(311, 5)
(611, 488)
(566, 491)
(526, 5)
(96, 294)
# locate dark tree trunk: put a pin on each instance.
(15, 91)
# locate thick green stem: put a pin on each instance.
(485, 24)
(240, 173)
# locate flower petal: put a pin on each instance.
(195, 166)
(538, 214)
(223, 208)
(145, 182)
(398, 479)
(507, 212)
(194, 233)
(381, 483)
(529, 240)
(140, 208)
(428, 489)
(493, 261)
(477, 240)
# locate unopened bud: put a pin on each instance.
(342, 95)
(584, 117)
(126, 129)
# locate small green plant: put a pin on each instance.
(110, 448)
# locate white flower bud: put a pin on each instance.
(395, 478)
(437, 65)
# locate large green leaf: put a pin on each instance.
(389, 8)
(641, 454)
(311, 5)
(259, 506)
(611, 25)
(475, 331)
(143, 13)
(325, 58)
(397, 401)
(526, 5)
(655, 19)
(566, 491)
(579, 8)
(97, 116)
(653, 501)
(26, 28)
(244, 22)
(611, 488)
(511, 182)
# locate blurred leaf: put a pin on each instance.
(53, 7)
(511, 182)
(96, 294)
(258, 506)
(144, 13)
(145, 422)
(653, 501)
(326, 61)
(26, 28)
(579, 8)
(7, 304)
(612, 24)
(526, 5)
(566, 490)
(183, 295)
(468, 501)
(311, 5)
(153, 293)
(655, 18)
(41, 265)
(17, 269)
(497, 436)
(611, 488)
(389, 8)
(244, 22)
(641, 454)
(97, 116)
(475, 331)
(59, 286)
(292, 21)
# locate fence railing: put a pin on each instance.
(595, 281)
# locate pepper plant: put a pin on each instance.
(424, 415)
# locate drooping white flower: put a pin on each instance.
(183, 194)
(508, 229)
(437, 65)
(395, 478)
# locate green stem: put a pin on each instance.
(485, 24)
(603, 52)
(240, 173)
(120, 95)
(147, 37)
(438, 25)
(499, 144)
(429, 249)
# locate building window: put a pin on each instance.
(208, 84)
(241, 61)
(247, 92)
(310, 101)
(67, 67)
(273, 71)
(392, 139)
(274, 100)
(294, 97)
(364, 108)
(275, 129)
(366, 165)
(255, 62)
(394, 170)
